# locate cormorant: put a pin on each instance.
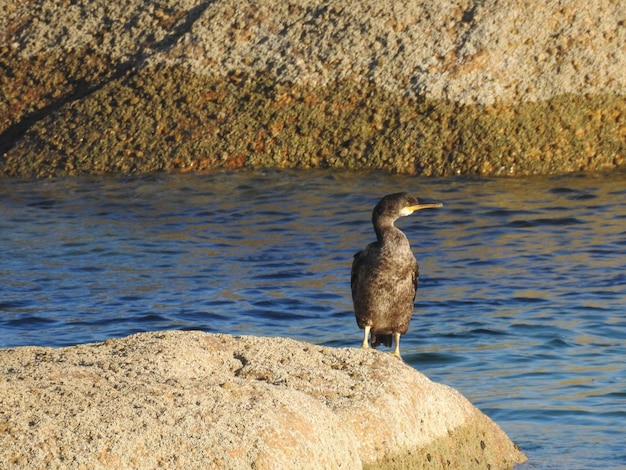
(384, 274)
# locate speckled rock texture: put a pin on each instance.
(196, 400)
(416, 86)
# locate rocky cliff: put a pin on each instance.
(196, 400)
(417, 86)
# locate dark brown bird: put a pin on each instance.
(384, 274)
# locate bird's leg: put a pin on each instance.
(366, 336)
(396, 351)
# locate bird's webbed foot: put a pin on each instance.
(396, 351)
(366, 344)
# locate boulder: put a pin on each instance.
(429, 87)
(196, 400)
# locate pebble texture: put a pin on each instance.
(196, 400)
(417, 86)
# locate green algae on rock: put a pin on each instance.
(168, 119)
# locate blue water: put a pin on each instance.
(521, 306)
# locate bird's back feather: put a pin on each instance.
(383, 286)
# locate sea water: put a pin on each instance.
(521, 304)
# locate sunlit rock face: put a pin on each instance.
(416, 87)
(198, 400)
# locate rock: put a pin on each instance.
(196, 400)
(418, 87)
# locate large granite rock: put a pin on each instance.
(197, 400)
(433, 87)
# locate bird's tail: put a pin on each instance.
(381, 339)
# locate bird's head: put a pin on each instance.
(402, 204)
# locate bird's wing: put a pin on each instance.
(416, 277)
(356, 268)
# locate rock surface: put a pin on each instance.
(417, 86)
(197, 400)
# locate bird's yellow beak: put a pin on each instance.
(426, 205)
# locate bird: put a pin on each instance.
(385, 274)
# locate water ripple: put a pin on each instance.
(520, 305)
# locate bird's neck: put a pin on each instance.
(386, 230)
